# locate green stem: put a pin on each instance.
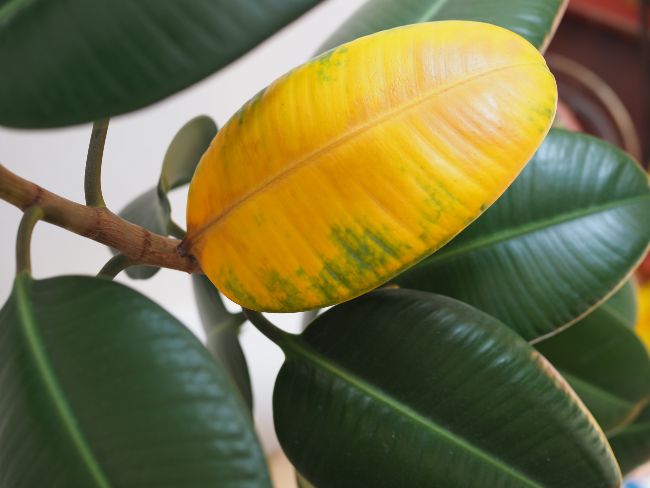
(23, 241)
(93, 178)
(114, 266)
(262, 324)
(176, 230)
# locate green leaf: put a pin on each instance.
(571, 227)
(152, 210)
(185, 151)
(405, 388)
(222, 331)
(624, 304)
(101, 388)
(631, 444)
(83, 60)
(535, 20)
(604, 361)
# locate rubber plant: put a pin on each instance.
(481, 329)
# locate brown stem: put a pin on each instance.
(99, 224)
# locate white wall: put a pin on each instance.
(134, 149)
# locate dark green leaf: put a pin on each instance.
(604, 361)
(152, 210)
(534, 20)
(405, 388)
(560, 240)
(103, 388)
(222, 332)
(631, 444)
(83, 60)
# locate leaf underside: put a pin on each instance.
(222, 333)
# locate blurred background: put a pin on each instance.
(600, 56)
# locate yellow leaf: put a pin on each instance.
(642, 327)
(361, 162)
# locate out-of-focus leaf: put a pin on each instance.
(185, 151)
(83, 60)
(222, 332)
(642, 327)
(535, 20)
(405, 388)
(103, 388)
(152, 210)
(604, 361)
(561, 239)
(363, 161)
(631, 444)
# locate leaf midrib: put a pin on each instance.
(513, 233)
(294, 344)
(38, 353)
(194, 235)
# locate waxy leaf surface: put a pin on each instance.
(402, 388)
(103, 388)
(563, 237)
(363, 161)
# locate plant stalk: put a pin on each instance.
(24, 239)
(176, 230)
(265, 326)
(93, 176)
(99, 224)
(114, 266)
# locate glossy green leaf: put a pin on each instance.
(103, 388)
(405, 388)
(222, 332)
(571, 227)
(625, 305)
(631, 444)
(82, 60)
(152, 210)
(604, 361)
(535, 20)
